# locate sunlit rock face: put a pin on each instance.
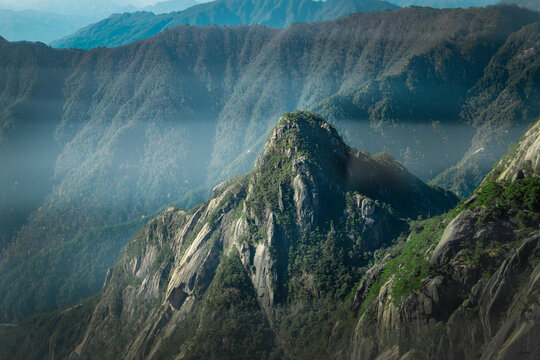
(524, 159)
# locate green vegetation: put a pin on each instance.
(522, 196)
(408, 264)
(320, 266)
(47, 336)
(232, 325)
(227, 324)
(300, 339)
(410, 267)
(63, 268)
(324, 263)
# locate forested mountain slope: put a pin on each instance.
(30, 108)
(126, 131)
(529, 4)
(452, 84)
(120, 29)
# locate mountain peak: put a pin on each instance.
(305, 154)
(304, 124)
(310, 124)
(305, 138)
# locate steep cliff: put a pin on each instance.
(464, 285)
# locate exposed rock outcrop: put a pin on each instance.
(474, 292)
(524, 159)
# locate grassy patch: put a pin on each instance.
(410, 266)
(503, 196)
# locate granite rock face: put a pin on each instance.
(524, 160)
(456, 318)
(480, 297)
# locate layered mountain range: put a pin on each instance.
(120, 29)
(170, 6)
(117, 24)
(48, 20)
(311, 254)
(96, 142)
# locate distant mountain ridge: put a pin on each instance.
(444, 3)
(48, 20)
(529, 4)
(76, 8)
(170, 6)
(121, 29)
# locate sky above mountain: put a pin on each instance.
(79, 7)
(76, 7)
(37, 4)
